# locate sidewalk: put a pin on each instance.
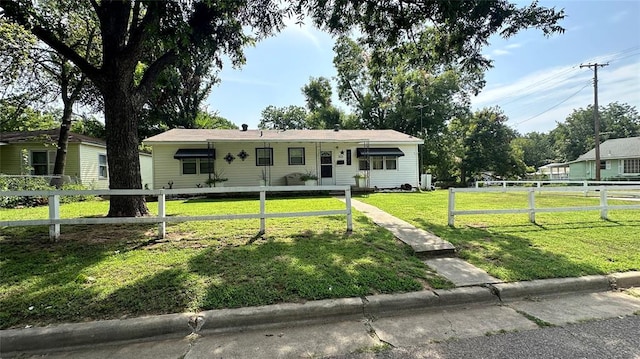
(480, 304)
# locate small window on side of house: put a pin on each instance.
(189, 166)
(206, 166)
(264, 156)
(391, 163)
(296, 155)
(102, 166)
(377, 163)
(39, 163)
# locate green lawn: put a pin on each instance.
(564, 244)
(115, 271)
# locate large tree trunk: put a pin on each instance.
(121, 122)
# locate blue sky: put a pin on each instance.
(536, 81)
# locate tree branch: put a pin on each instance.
(48, 38)
(151, 75)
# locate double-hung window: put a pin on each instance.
(102, 166)
(264, 156)
(296, 155)
(42, 162)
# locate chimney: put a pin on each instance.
(245, 127)
(336, 127)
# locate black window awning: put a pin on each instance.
(389, 152)
(195, 153)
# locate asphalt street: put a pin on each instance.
(616, 338)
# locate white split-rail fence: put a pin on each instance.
(630, 191)
(54, 221)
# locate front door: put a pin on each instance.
(326, 167)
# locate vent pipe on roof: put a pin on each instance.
(245, 127)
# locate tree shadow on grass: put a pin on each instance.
(309, 266)
(509, 257)
(43, 281)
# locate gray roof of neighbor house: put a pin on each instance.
(614, 149)
(42, 135)
(201, 135)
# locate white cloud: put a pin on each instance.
(305, 30)
(500, 52)
(513, 46)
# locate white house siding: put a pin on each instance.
(166, 169)
(89, 166)
(407, 171)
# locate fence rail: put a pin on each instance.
(604, 207)
(540, 183)
(54, 221)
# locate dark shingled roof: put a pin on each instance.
(40, 135)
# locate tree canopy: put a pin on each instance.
(159, 34)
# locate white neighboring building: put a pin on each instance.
(187, 158)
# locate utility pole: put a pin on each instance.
(421, 106)
(596, 119)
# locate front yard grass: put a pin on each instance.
(116, 271)
(509, 247)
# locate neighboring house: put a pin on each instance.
(86, 161)
(619, 160)
(185, 158)
(555, 171)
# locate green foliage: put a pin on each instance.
(484, 145)
(17, 116)
(89, 126)
(23, 184)
(211, 121)
(536, 149)
(284, 118)
(36, 184)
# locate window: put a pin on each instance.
(377, 162)
(391, 163)
(264, 156)
(189, 166)
(40, 163)
(296, 156)
(348, 157)
(102, 166)
(605, 165)
(631, 166)
(206, 166)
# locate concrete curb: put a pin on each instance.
(180, 325)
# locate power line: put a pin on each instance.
(554, 106)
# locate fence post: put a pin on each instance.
(585, 184)
(54, 213)
(162, 226)
(263, 211)
(452, 206)
(603, 203)
(347, 198)
(532, 206)
(504, 186)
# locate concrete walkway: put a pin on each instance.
(428, 244)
